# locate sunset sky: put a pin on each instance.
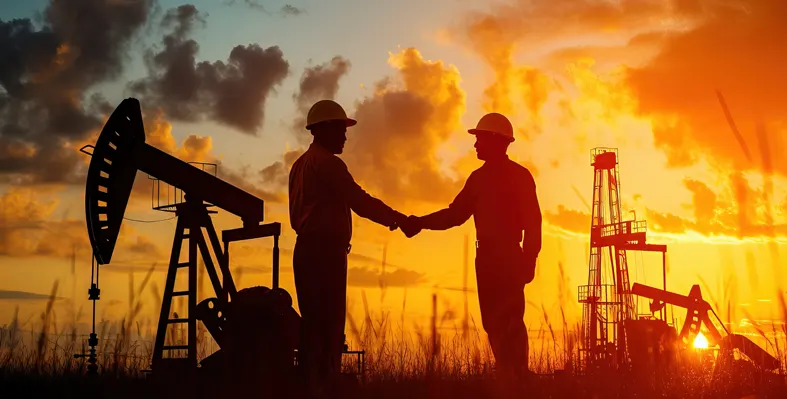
(230, 82)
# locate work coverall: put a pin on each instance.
(322, 194)
(501, 196)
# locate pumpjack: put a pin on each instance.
(254, 327)
(698, 314)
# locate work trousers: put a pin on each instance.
(501, 276)
(320, 268)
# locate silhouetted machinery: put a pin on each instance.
(255, 327)
(698, 312)
(608, 306)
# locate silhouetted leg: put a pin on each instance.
(320, 271)
(332, 308)
(336, 315)
(303, 264)
(502, 302)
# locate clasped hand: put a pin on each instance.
(410, 225)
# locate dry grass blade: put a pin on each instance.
(733, 126)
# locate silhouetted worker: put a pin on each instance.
(501, 197)
(321, 195)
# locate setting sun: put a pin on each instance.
(700, 342)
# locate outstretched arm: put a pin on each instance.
(531, 245)
(456, 214)
(366, 206)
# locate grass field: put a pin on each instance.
(417, 364)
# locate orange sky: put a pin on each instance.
(572, 75)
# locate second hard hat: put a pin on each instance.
(327, 110)
(496, 124)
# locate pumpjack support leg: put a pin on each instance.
(166, 302)
(192, 218)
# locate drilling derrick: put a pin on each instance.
(607, 299)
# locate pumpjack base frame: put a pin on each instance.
(192, 217)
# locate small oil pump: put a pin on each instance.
(698, 312)
(250, 326)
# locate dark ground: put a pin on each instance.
(15, 385)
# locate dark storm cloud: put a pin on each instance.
(46, 73)
(232, 93)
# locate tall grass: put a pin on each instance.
(442, 351)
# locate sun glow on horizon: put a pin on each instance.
(700, 342)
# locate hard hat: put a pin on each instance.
(496, 124)
(327, 110)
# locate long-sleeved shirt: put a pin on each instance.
(322, 193)
(501, 197)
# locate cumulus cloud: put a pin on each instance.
(690, 67)
(232, 93)
(497, 35)
(194, 148)
(526, 22)
(736, 211)
(737, 49)
(277, 174)
(626, 32)
(47, 73)
(569, 220)
(29, 227)
(392, 149)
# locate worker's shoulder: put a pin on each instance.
(332, 160)
(298, 163)
(520, 171)
(509, 166)
(320, 157)
(519, 167)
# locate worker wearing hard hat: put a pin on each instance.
(501, 197)
(322, 192)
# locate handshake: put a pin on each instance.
(410, 225)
